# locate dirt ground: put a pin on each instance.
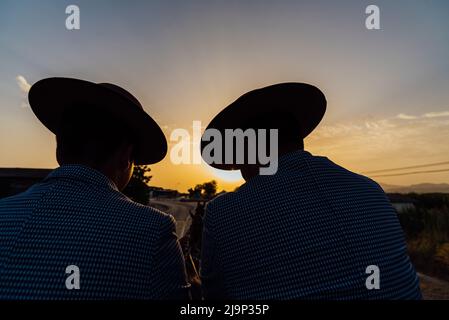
(434, 289)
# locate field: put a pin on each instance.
(426, 229)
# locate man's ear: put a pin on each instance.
(58, 155)
(58, 152)
(126, 156)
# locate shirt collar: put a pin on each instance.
(294, 160)
(81, 173)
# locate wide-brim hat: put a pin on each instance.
(50, 97)
(303, 105)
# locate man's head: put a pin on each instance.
(100, 125)
(97, 140)
(288, 141)
(294, 109)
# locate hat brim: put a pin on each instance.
(49, 98)
(304, 102)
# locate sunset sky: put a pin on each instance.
(387, 90)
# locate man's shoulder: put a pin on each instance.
(137, 210)
(25, 198)
(108, 206)
(228, 205)
(222, 200)
(334, 169)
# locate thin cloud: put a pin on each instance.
(404, 116)
(363, 145)
(23, 84)
(436, 114)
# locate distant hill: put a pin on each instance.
(418, 188)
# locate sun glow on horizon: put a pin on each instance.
(234, 176)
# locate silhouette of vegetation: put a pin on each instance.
(191, 244)
(138, 189)
(427, 231)
(206, 190)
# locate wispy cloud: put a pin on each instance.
(364, 144)
(403, 116)
(436, 114)
(23, 84)
(406, 116)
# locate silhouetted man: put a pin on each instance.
(312, 230)
(75, 235)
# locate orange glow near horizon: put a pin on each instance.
(360, 147)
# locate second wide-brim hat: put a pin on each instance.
(50, 97)
(302, 104)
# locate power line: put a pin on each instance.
(408, 173)
(406, 168)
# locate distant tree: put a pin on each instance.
(141, 173)
(203, 191)
(195, 192)
(138, 189)
(210, 189)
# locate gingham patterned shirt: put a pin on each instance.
(76, 216)
(308, 232)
